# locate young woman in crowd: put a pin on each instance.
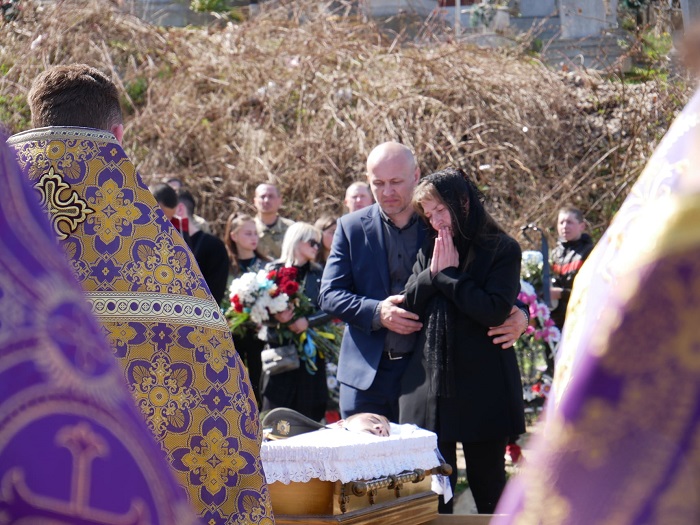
(304, 389)
(241, 240)
(458, 382)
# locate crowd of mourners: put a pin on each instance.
(426, 282)
(421, 276)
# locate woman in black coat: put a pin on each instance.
(304, 389)
(459, 384)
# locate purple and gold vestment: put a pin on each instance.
(73, 448)
(166, 331)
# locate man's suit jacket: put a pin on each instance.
(355, 280)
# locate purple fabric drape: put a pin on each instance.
(620, 444)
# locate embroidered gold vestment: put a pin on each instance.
(165, 329)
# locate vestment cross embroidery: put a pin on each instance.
(65, 207)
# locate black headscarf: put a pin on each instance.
(469, 224)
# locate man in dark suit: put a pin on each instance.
(371, 259)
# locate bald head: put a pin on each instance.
(391, 152)
(392, 173)
(358, 196)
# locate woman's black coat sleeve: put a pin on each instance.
(419, 288)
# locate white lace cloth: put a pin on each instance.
(335, 454)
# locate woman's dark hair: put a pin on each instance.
(233, 223)
(465, 202)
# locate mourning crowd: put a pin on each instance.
(406, 306)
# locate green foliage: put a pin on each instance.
(638, 74)
(628, 22)
(651, 58)
(222, 8)
(14, 112)
(656, 47)
(636, 5)
(536, 45)
(483, 13)
(209, 6)
(136, 90)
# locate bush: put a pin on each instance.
(300, 94)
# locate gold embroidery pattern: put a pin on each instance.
(163, 394)
(648, 409)
(214, 461)
(64, 148)
(115, 211)
(215, 353)
(159, 267)
(65, 207)
(150, 297)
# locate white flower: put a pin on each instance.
(527, 288)
(532, 257)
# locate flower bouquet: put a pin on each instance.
(322, 341)
(537, 347)
(254, 298)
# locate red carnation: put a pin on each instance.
(272, 275)
(237, 304)
(290, 287)
(287, 273)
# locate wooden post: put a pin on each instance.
(458, 18)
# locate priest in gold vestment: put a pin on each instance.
(165, 329)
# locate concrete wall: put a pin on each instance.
(392, 7)
(585, 18)
(166, 12)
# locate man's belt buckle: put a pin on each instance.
(394, 357)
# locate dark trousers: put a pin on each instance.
(382, 397)
(249, 348)
(486, 472)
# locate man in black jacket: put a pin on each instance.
(209, 251)
(573, 247)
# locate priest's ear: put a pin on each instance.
(118, 131)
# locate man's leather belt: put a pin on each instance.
(395, 356)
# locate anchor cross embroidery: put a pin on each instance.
(84, 446)
(65, 207)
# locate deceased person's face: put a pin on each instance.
(367, 422)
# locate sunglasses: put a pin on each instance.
(313, 243)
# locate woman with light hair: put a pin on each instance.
(303, 389)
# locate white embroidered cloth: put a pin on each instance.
(335, 454)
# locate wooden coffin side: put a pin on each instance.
(417, 509)
(313, 497)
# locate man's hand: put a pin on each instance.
(285, 315)
(299, 325)
(508, 333)
(555, 292)
(397, 319)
